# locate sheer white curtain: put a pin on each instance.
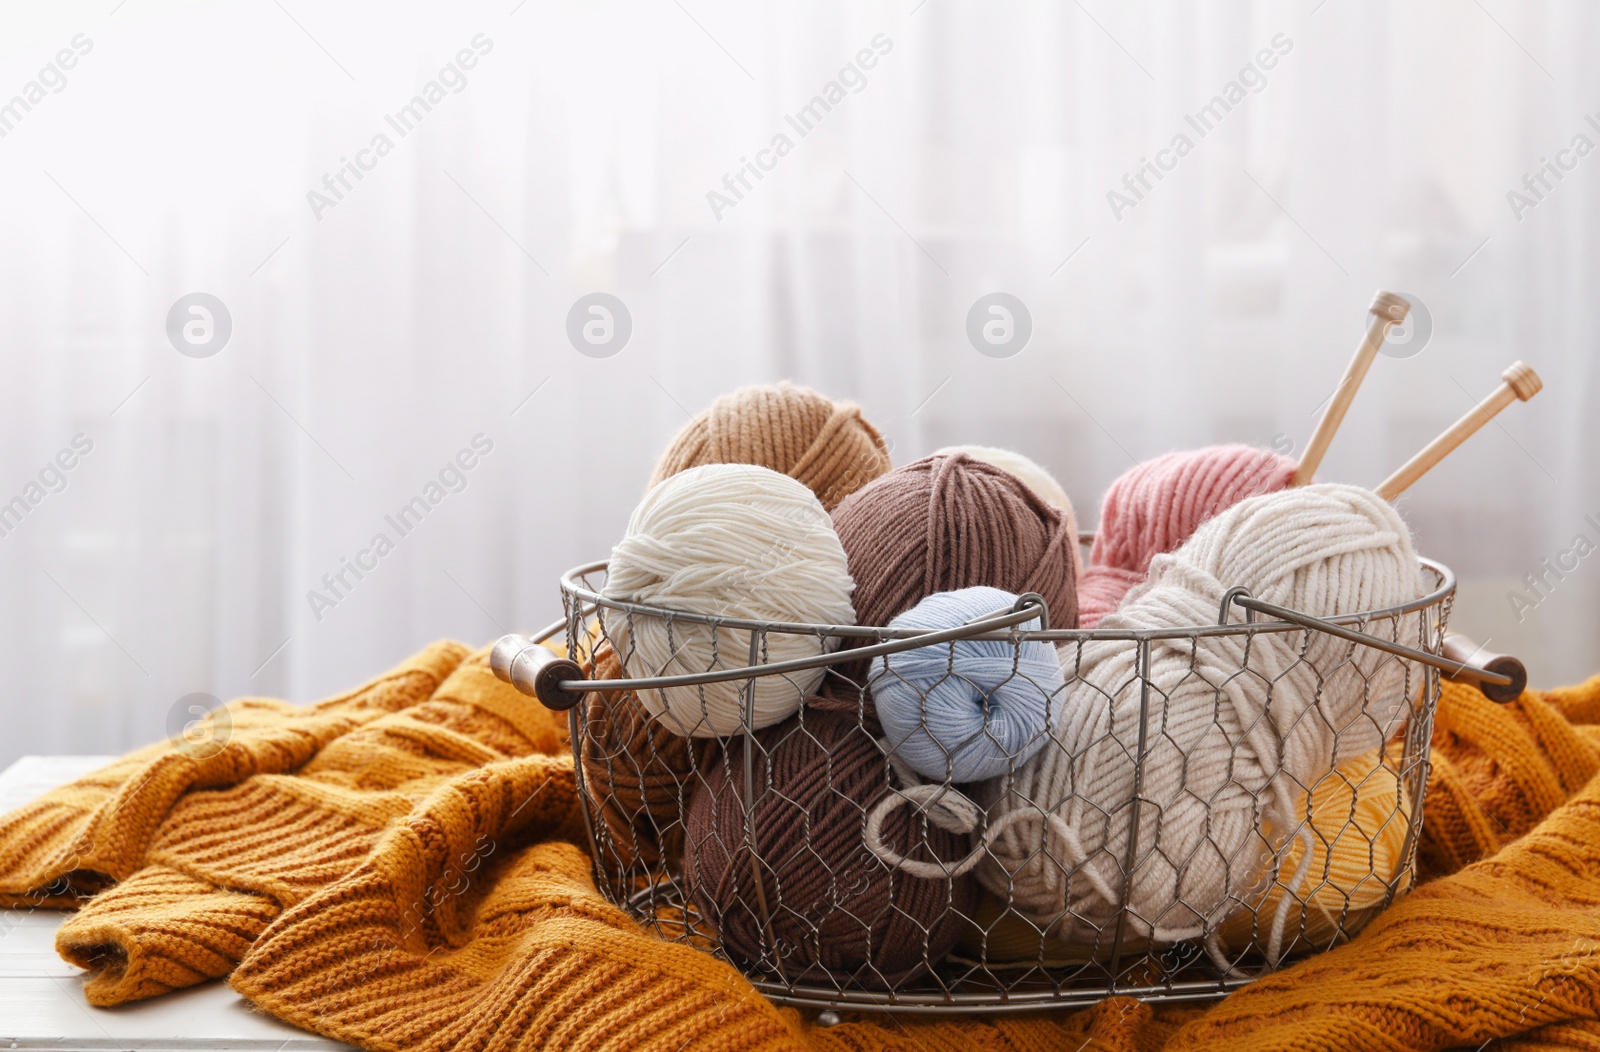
(381, 329)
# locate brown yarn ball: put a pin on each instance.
(826, 445)
(639, 775)
(940, 523)
(838, 914)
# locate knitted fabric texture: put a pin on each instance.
(936, 525)
(1156, 506)
(536, 958)
(829, 446)
(475, 924)
(208, 850)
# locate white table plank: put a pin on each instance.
(33, 776)
(41, 996)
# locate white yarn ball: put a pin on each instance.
(1035, 476)
(730, 540)
(1238, 726)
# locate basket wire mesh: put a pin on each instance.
(1007, 957)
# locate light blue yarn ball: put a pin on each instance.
(969, 710)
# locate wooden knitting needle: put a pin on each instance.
(1387, 309)
(1519, 382)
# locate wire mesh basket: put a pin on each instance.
(1340, 850)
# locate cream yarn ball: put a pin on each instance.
(729, 540)
(1239, 726)
(1036, 477)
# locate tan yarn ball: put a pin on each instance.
(826, 445)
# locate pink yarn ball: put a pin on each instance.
(1156, 506)
(1101, 590)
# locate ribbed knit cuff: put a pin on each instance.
(159, 931)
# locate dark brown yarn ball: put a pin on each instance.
(639, 775)
(941, 523)
(827, 446)
(838, 914)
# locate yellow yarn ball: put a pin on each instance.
(1358, 816)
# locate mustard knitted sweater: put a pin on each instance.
(189, 854)
(534, 958)
(400, 867)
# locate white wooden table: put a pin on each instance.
(41, 996)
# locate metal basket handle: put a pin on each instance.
(533, 668)
(1464, 652)
(1502, 678)
(559, 682)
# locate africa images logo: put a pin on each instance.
(454, 477)
(451, 80)
(51, 79)
(1250, 80)
(803, 122)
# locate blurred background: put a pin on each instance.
(383, 284)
